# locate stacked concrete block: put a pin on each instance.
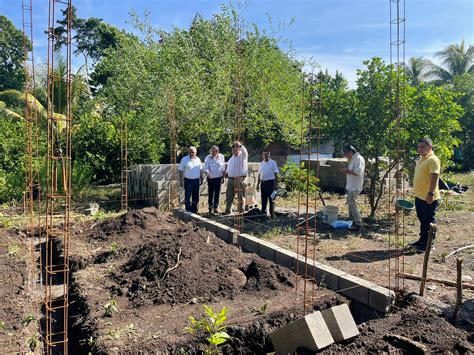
(309, 332)
(150, 185)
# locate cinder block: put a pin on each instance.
(240, 240)
(176, 212)
(266, 250)
(250, 243)
(187, 216)
(381, 298)
(354, 288)
(231, 236)
(327, 276)
(309, 332)
(285, 258)
(340, 322)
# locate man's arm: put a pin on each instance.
(433, 184)
(181, 178)
(244, 151)
(275, 186)
(258, 182)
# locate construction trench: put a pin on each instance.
(129, 284)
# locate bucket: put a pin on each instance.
(331, 213)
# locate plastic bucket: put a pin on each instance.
(331, 212)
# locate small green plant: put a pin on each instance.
(13, 249)
(114, 334)
(33, 342)
(262, 310)
(210, 329)
(110, 308)
(114, 247)
(322, 283)
(28, 319)
(3, 326)
(271, 234)
(295, 178)
(130, 330)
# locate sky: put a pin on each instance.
(336, 34)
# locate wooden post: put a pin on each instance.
(431, 233)
(459, 288)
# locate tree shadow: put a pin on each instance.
(369, 256)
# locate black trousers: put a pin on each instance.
(426, 214)
(191, 194)
(266, 189)
(214, 191)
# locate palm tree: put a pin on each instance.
(417, 69)
(456, 59)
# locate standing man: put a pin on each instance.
(237, 170)
(190, 177)
(267, 181)
(354, 184)
(214, 167)
(425, 187)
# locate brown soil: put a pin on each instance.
(15, 294)
(414, 322)
(157, 294)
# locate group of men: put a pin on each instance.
(425, 182)
(215, 170)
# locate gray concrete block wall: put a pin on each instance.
(365, 292)
(150, 185)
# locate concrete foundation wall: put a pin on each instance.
(362, 291)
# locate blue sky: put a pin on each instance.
(337, 34)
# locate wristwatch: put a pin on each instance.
(431, 193)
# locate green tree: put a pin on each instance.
(366, 119)
(12, 75)
(417, 69)
(456, 59)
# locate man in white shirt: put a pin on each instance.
(214, 167)
(190, 177)
(267, 181)
(237, 170)
(354, 184)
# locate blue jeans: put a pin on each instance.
(426, 214)
(191, 194)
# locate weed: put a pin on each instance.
(110, 308)
(114, 334)
(13, 249)
(270, 234)
(130, 330)
(210, 329)
(33, 342)
(114, 247)
(322, 283)
(3, 326)
(262, 310)
(28, 319)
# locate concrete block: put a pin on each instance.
(187, 216)
(309, 332)
(381, 298)
(232, 235)
(285, 258)
(176, 212)
(266, 250)
(354, 288)
(250, 243)
(327, 276)
(340, 322)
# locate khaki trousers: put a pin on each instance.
(235, 186)
(354, 214)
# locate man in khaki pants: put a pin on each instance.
(236, 173)
(354, 184)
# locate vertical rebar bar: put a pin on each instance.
(58, 188)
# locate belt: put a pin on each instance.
(268, 180)
(237, 177)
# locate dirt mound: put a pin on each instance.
(177, 266)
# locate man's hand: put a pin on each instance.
(257, 188)
(429, 199)
(343, 170)
(181, 183)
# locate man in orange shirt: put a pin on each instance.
(425, 187)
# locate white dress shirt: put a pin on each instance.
(268, 169)
(190, 167)
(356, 182)
(214, 166)
(237, 166)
